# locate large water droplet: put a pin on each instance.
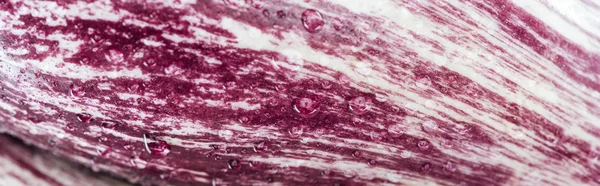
(77, 90)
(306, 107)
(450, 167)
(312, 20)
(360, 105)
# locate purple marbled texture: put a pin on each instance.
(290, 92)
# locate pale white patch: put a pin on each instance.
(151, 42)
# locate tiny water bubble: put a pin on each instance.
(77, 91)
(381, 97)
(360, 105)
(83, 117)
(450, 167)
(423, 145)
(233, 164)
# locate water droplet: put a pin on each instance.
(273, 102)
(114, 56)
(260, 146)
(381, 97)
(429, 126)
(281, 87)
(423, 82)
(244, 119)
(233, 164)
(136, 88)
(159, 148)
(71, 126)
(426, 167)
(34, 120)
(306, 107)
(344, 79)
(450, 167)
(51, 142)
(326, 85)
(296, 131)
(448, 144)
(230, 85)
(360, 105)
(128, 147)
(281, 14)
(406, 154)
(77, 91)
(356, 154)
(463, 129)
(396, 130)
(173, 70)
(372, 162)
(423, 145)
(165, 176)
(109, 124)
(84, 117)
(312, 20)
